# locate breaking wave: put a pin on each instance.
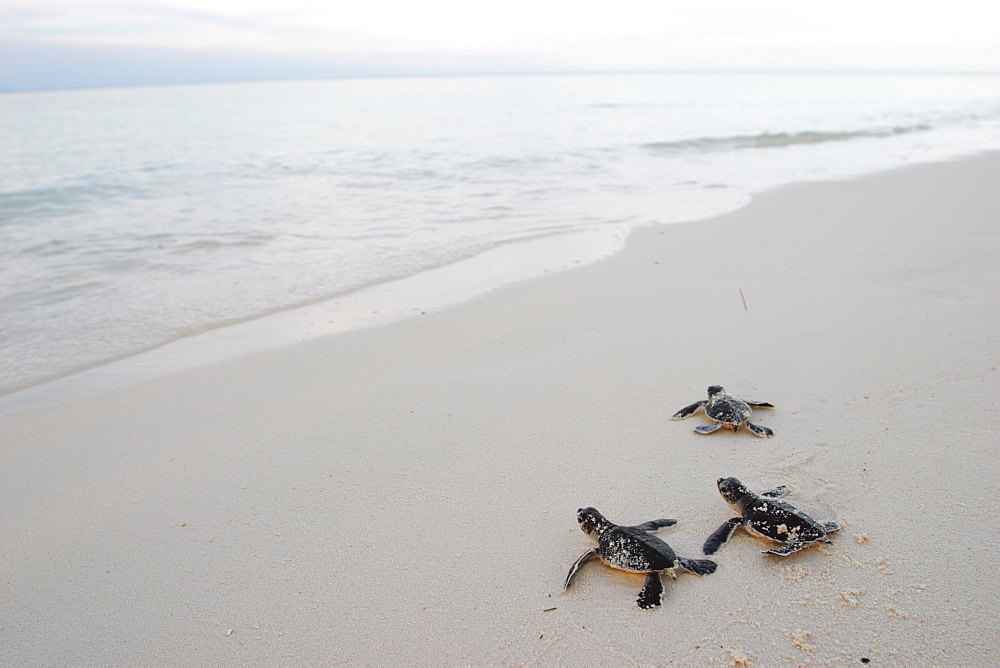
(775, 139)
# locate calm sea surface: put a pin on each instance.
(134, 217)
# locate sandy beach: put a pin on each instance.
(407, 494)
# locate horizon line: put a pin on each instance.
(525, 73)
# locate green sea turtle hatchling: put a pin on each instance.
(635, 549)
(725, 410)
(767, 516)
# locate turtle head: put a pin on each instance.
(732, 490)
(592, 521)
(714, 390)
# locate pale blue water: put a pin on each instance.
(133, 217)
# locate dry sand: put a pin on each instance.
(407, 493)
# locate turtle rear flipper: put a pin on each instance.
(830, 527)
(787, 549)
(586, 556)
(652, 591)
(654, 525)
(688, 411)
(762, 432)
(697, 566)
(708, 428)
(720, 536)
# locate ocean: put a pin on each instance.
(134, 218)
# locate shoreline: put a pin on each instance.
(437, 287)
(407, 493)
(379, 304)
(434, 288)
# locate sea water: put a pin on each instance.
(131, 218)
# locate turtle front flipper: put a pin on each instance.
(759, 404)
(697, 566)
(776, 493)
(720, 536)
(589, 554)
(787, 549)
(708, 428)
(652, 591)
(654, 525)
(757, 430)
(688, 411)
(830, 527)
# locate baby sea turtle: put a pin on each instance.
(634, 549)
(725, 410)
(766, 516)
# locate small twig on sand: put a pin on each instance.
(744, 300)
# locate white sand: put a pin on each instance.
(407, 493)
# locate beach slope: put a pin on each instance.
(407, 493)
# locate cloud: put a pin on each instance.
(62, 43)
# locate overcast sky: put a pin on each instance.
(72, 43)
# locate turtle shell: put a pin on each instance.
(779, 521)
(727, 409)
(629, 549)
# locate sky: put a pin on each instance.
(83, 43)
